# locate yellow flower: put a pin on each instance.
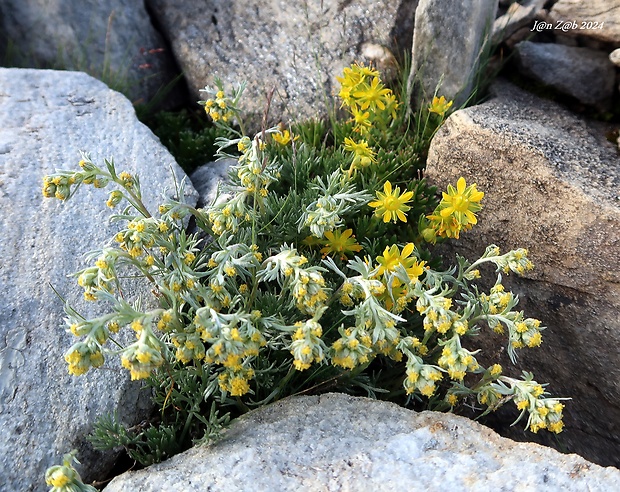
(361, 119)
(392, 257)
(363, 155)
(391, 204)
(340, 243)
(284, 137)
(455, 213)
(373, 95)
(439, 105)
(312, 241)
(461, 202)
(352, 77)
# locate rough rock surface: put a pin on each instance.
(337, 442)
(516, 17)
(551, 182)
(206, 178)
(447, 40)
(112, 40)
(46, 117)
(602, 13)
(582, 73)
(297, 47)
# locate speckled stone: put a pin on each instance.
(551, 184)
(298, 48)
(46, 118)
(585, 74)
(447, 41)
(207, 178)
(113, 40)
(340, 443)
(595, 19)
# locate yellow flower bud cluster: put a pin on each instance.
(220, 107)
(228, 215)
(525, 332)
(102, 276)
(419, 376)
(234, 339)
(306, 284)
(369, 314)
(58, 185)
(236, 381)
(496, 302)
(529, 396)
(140, 234)
(253, 171)
(189, 347)
(353, 348)
(144, 356)
(456, 360)
(515, 261)
(65, 478)
(82, 356)
(522, 332)
(307, 346)
(438, 317)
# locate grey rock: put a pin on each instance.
(551, 182)
(516, 17)
(614, 57)
(448, 38)
(207, 178)
(112, 40)
(46, 117)
(594, 19)
(582, 73)
(337, 442)
(297, 47)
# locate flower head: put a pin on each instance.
(439, 105)
(462, 202)
(372, 95)
(340, 242)
(283, 137)
(363, 155)
(455, 212)
(393, 257)
(391, 204)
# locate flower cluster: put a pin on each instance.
(233, 340)
(307, 346)
(365, 96)
(220, 107)
(455, 212)
(274, 294)
(305, 282)
(530, 397)
(65, 478)
(371, 105)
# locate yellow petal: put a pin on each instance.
(407, 250)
